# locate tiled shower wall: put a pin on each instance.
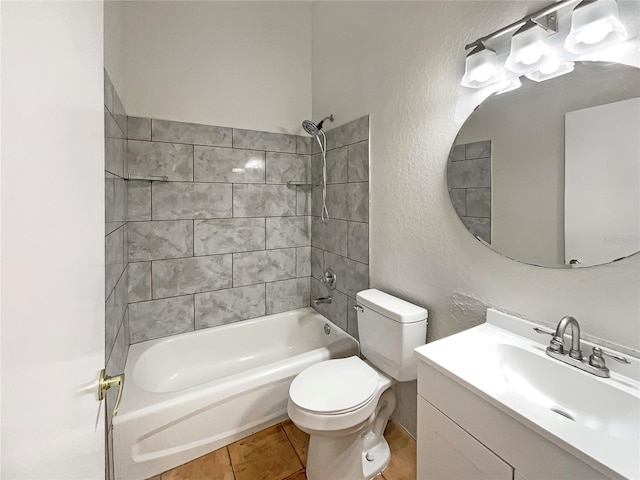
(469, 180)
(116, 295)
(342, 243)
(225, 238)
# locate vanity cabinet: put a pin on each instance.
(462, 436)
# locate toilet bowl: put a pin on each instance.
(345, 404)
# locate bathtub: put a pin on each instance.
(190, 394)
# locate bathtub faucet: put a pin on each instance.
(319, 300)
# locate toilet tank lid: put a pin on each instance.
(393, 307)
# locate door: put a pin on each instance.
(52, 240)
(602, 183)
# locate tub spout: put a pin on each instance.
(319, 300)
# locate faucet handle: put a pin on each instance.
(597, 351)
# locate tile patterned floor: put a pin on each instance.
(280, 453)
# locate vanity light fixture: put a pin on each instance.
(481, 67)
(530, 50)
(548, 73)
(594, 24)
(508, 86)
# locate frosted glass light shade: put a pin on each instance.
(529, 49)
(546, 74)
(481, 68)
(594, 25)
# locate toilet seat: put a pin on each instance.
(334, 387)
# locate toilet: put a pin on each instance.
(344, 404)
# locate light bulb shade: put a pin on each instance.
(481, 68)
(530, 49)
(542, 75)
(595, 25)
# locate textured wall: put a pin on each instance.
(401, 62)
(342, 243)
(218, 63)
(225, 238)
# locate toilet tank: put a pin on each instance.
(389, 329)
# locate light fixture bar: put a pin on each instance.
(517, 24)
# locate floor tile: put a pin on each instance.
(266, 455)
(215, 466)
(298, 439)
(297, 476)
(403, 454)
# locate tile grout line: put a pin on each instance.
(292, 446)
(233, 470)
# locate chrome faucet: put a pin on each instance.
(594, 364)
(319, 300)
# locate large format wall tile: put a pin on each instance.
(139, 201)
(336, 165)
(230, 235)
(288, 295)
(349, 201)
(352, 132)
(304, 144)
(263, 200)
(287, 167)
(263, 266)
(160, 318)
(358, 170)
(139, 281)
(228, 165)
(478, 150)
(330, 235)
(317, 263)
(114, 258)
(469, 173)
(115, 309)
(271, 142)
(139, 128)
(180, 132)
(358, 242)
(285, 232)
(115, 197)
(231, 305)
(182, 276)
(303, 200)
(160, 240)
(171, 160)
(175, 201)
(478, 202)
(303, 261)
(114, 155)
(353, 276)
(336, 311)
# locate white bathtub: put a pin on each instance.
(189, 394)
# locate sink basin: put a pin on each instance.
(504, 362)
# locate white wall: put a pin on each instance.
(234, 64)
(402, 62)
(527, 165)
(114, 47)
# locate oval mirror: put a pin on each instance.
(549, 174)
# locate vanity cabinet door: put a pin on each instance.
(447, 452)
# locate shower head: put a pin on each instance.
(313, 129)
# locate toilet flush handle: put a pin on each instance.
(358, 308)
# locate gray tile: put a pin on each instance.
(160, 318)
(478, 202)
(358, 170)
(139, 201)
(303, 261)
(263, 200)
(183, 276)
(138, 128)
(119, 112)
(348, 201)
(272, 142)
(175, 201)
(115, 190)
(469, 173)
(458, 199)
(317, 263)
(287, 167)
(139, 281)
(172, 160)
(316, 168)
(111, 127)
(108, 92)
(303, 200)
(115, 364)
(114, 152)
(230, 165)
(352, 319)
(352, 132)
(263, 266)
(197, 134)
(358, 242)
(458, 153)
(230, 235)
(285, 232)
(330, 235)
(160, 240)
(337, 165)
(288, 295)
(336, 311)
(479, 227)
(115, 309)
(113, 258)
(228, 306)
(304, 144)
(353, 276)
(478, 150)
